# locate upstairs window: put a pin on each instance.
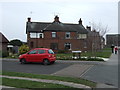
(82, 36)
(40, 35)
(67, 35)
(36, 35)
(53, 34)
(33, 35)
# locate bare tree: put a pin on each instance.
(99, 32)
(102, 29)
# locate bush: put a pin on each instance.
(23, 49)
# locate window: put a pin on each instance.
(67, 46)
(67, 35)
(40, 35)
(36, 35)
(53, 34)
(33, 52)
(54, 46)
(33, 35)
(41, 51)
(82, 36)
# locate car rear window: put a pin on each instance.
(50, 51)
(41, 51)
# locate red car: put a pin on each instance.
(44, 55)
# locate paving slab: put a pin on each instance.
(75, 70)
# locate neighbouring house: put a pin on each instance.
(57, 35)
(94, 40)
(3, 43)
(113, 39)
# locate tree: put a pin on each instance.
(102, 29)
(16, 42)
(23, 49)
(99, 31)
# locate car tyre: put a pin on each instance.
(23, 61)
(46, 62)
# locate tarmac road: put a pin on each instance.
(35, 68)
(106, 73)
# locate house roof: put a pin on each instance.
(54, 26)
(3, 39)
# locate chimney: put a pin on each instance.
(56, 19)
(88, 27)
(80, 21)
(29, 19)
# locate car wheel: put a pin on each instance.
(23, 61)
(46, 62)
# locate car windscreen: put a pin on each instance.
(50, 51)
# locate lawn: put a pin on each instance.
(51, 77)
(105, 53)
(29, 84)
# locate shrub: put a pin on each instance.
(23, 49)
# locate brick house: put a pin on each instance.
(94, 40)
(3, 43)
(57, 35)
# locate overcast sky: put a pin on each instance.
(14, 14)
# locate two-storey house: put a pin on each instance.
(56, 35)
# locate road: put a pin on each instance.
(35, 68)
(59, 68)
(106, 73)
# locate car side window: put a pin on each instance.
(41, 51)
(33, 52)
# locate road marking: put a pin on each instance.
(86, 71)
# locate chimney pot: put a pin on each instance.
(56, 19)
(88, 27)
(80, 21)
(29, 19)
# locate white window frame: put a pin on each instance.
(67, 33)
(38, 35)
(54, 35)
(33, 35)
(68, 44)
(82, 36)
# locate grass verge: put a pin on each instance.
(29, 84)
(51, 77)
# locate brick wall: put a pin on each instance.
(76, 44)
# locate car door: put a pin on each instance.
(41, 55)
(32, 56)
